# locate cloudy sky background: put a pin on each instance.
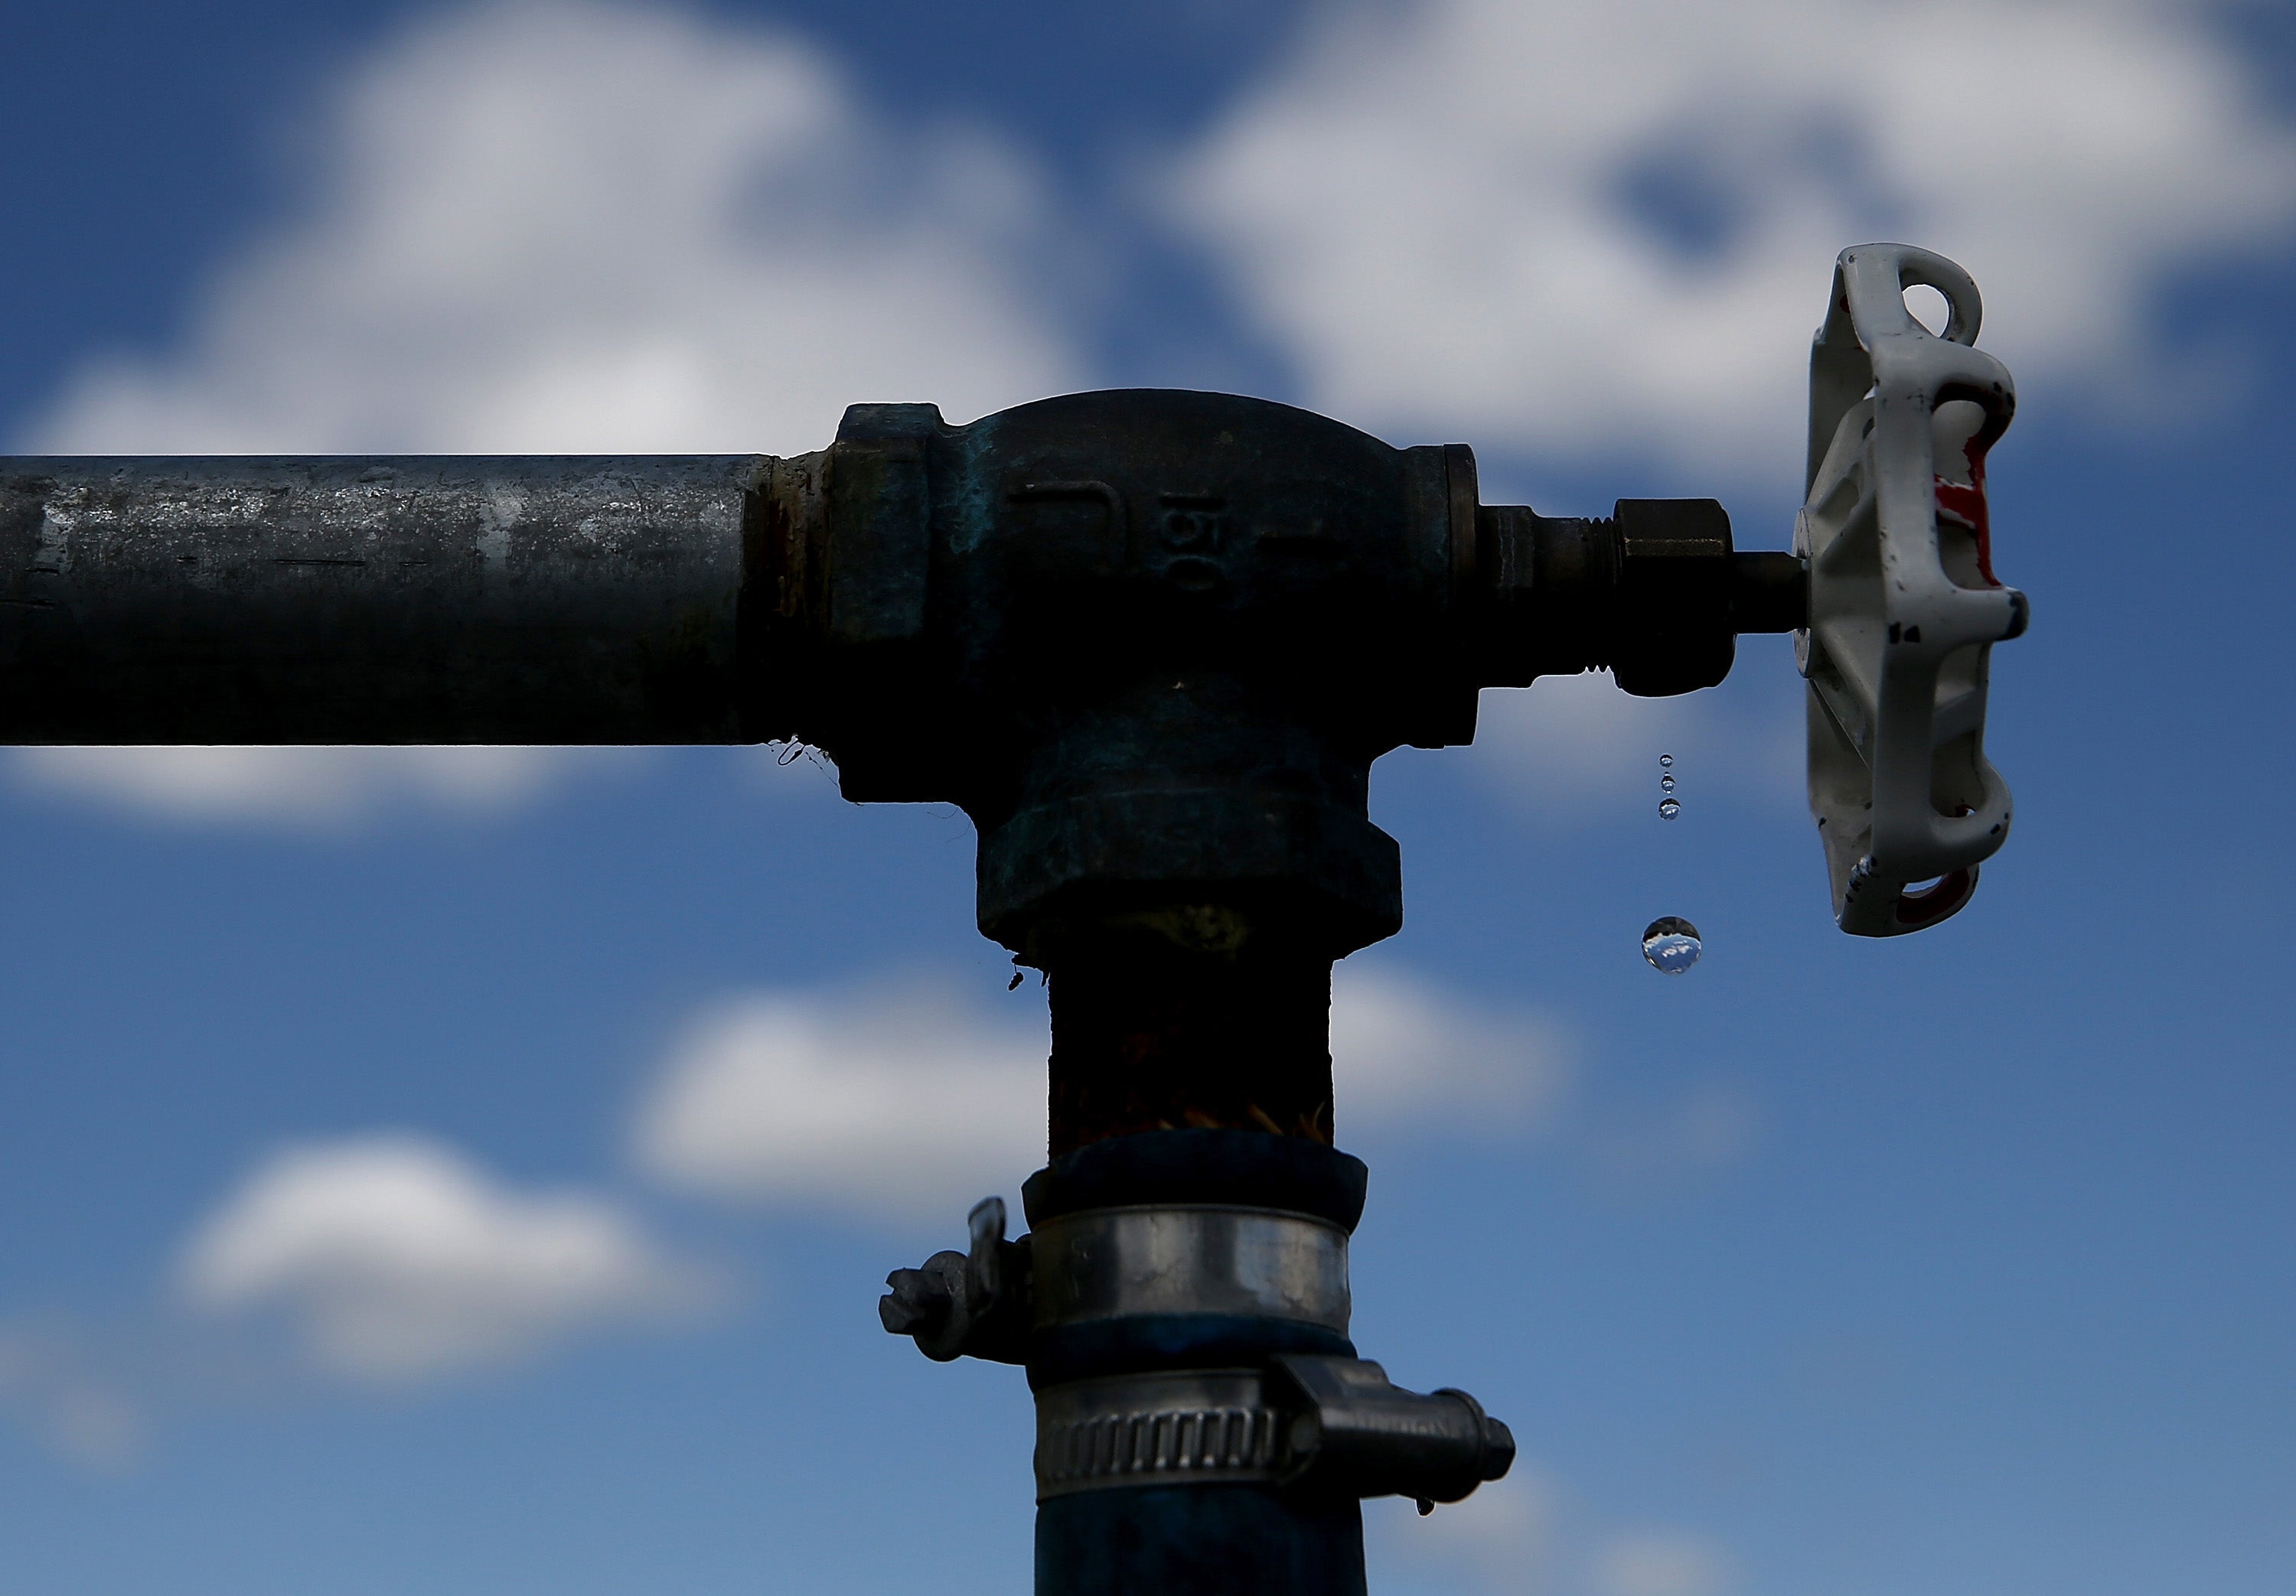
(472, 1170)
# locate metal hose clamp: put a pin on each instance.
(1208, 1258)
(1324, 1424)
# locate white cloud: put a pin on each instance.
(1506, 1536)
(1408, 1056)
(1528, 1536)
(573, 227)
(1572, 748)
(50, 1381)
(310, 787)
(395, 1258)
(1653, 1148)
(1455, 215)
(1662, 1563)
(902, 1099)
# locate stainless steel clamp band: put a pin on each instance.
(1119, 1263)
(1332, 1424)
(1187, 1427)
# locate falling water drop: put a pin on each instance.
(1669, 807)
(1666, 783)
(1666, 761)
(1671, 944)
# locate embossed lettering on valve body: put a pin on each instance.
(1115, 1263)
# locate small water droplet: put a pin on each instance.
(1666, 761)
(1671, 944)
(1669, 807)
(1666, 783)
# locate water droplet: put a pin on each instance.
(1666, 783)
(1671, 944)
(1669, 807)
(1666, 761)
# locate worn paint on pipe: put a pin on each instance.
(379, 600)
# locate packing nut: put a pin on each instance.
(1677, 579)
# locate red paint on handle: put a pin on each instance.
(1967, 504)
(1949, 893)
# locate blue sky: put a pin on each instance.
(473, 1170)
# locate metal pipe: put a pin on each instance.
(1151, 642)
(414, 599)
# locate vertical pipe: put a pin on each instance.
(1191, 1070)
(1149, 1034)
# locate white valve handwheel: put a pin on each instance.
(1904, 607)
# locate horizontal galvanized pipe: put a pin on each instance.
(416, 599)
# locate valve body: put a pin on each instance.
(1152, 643)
